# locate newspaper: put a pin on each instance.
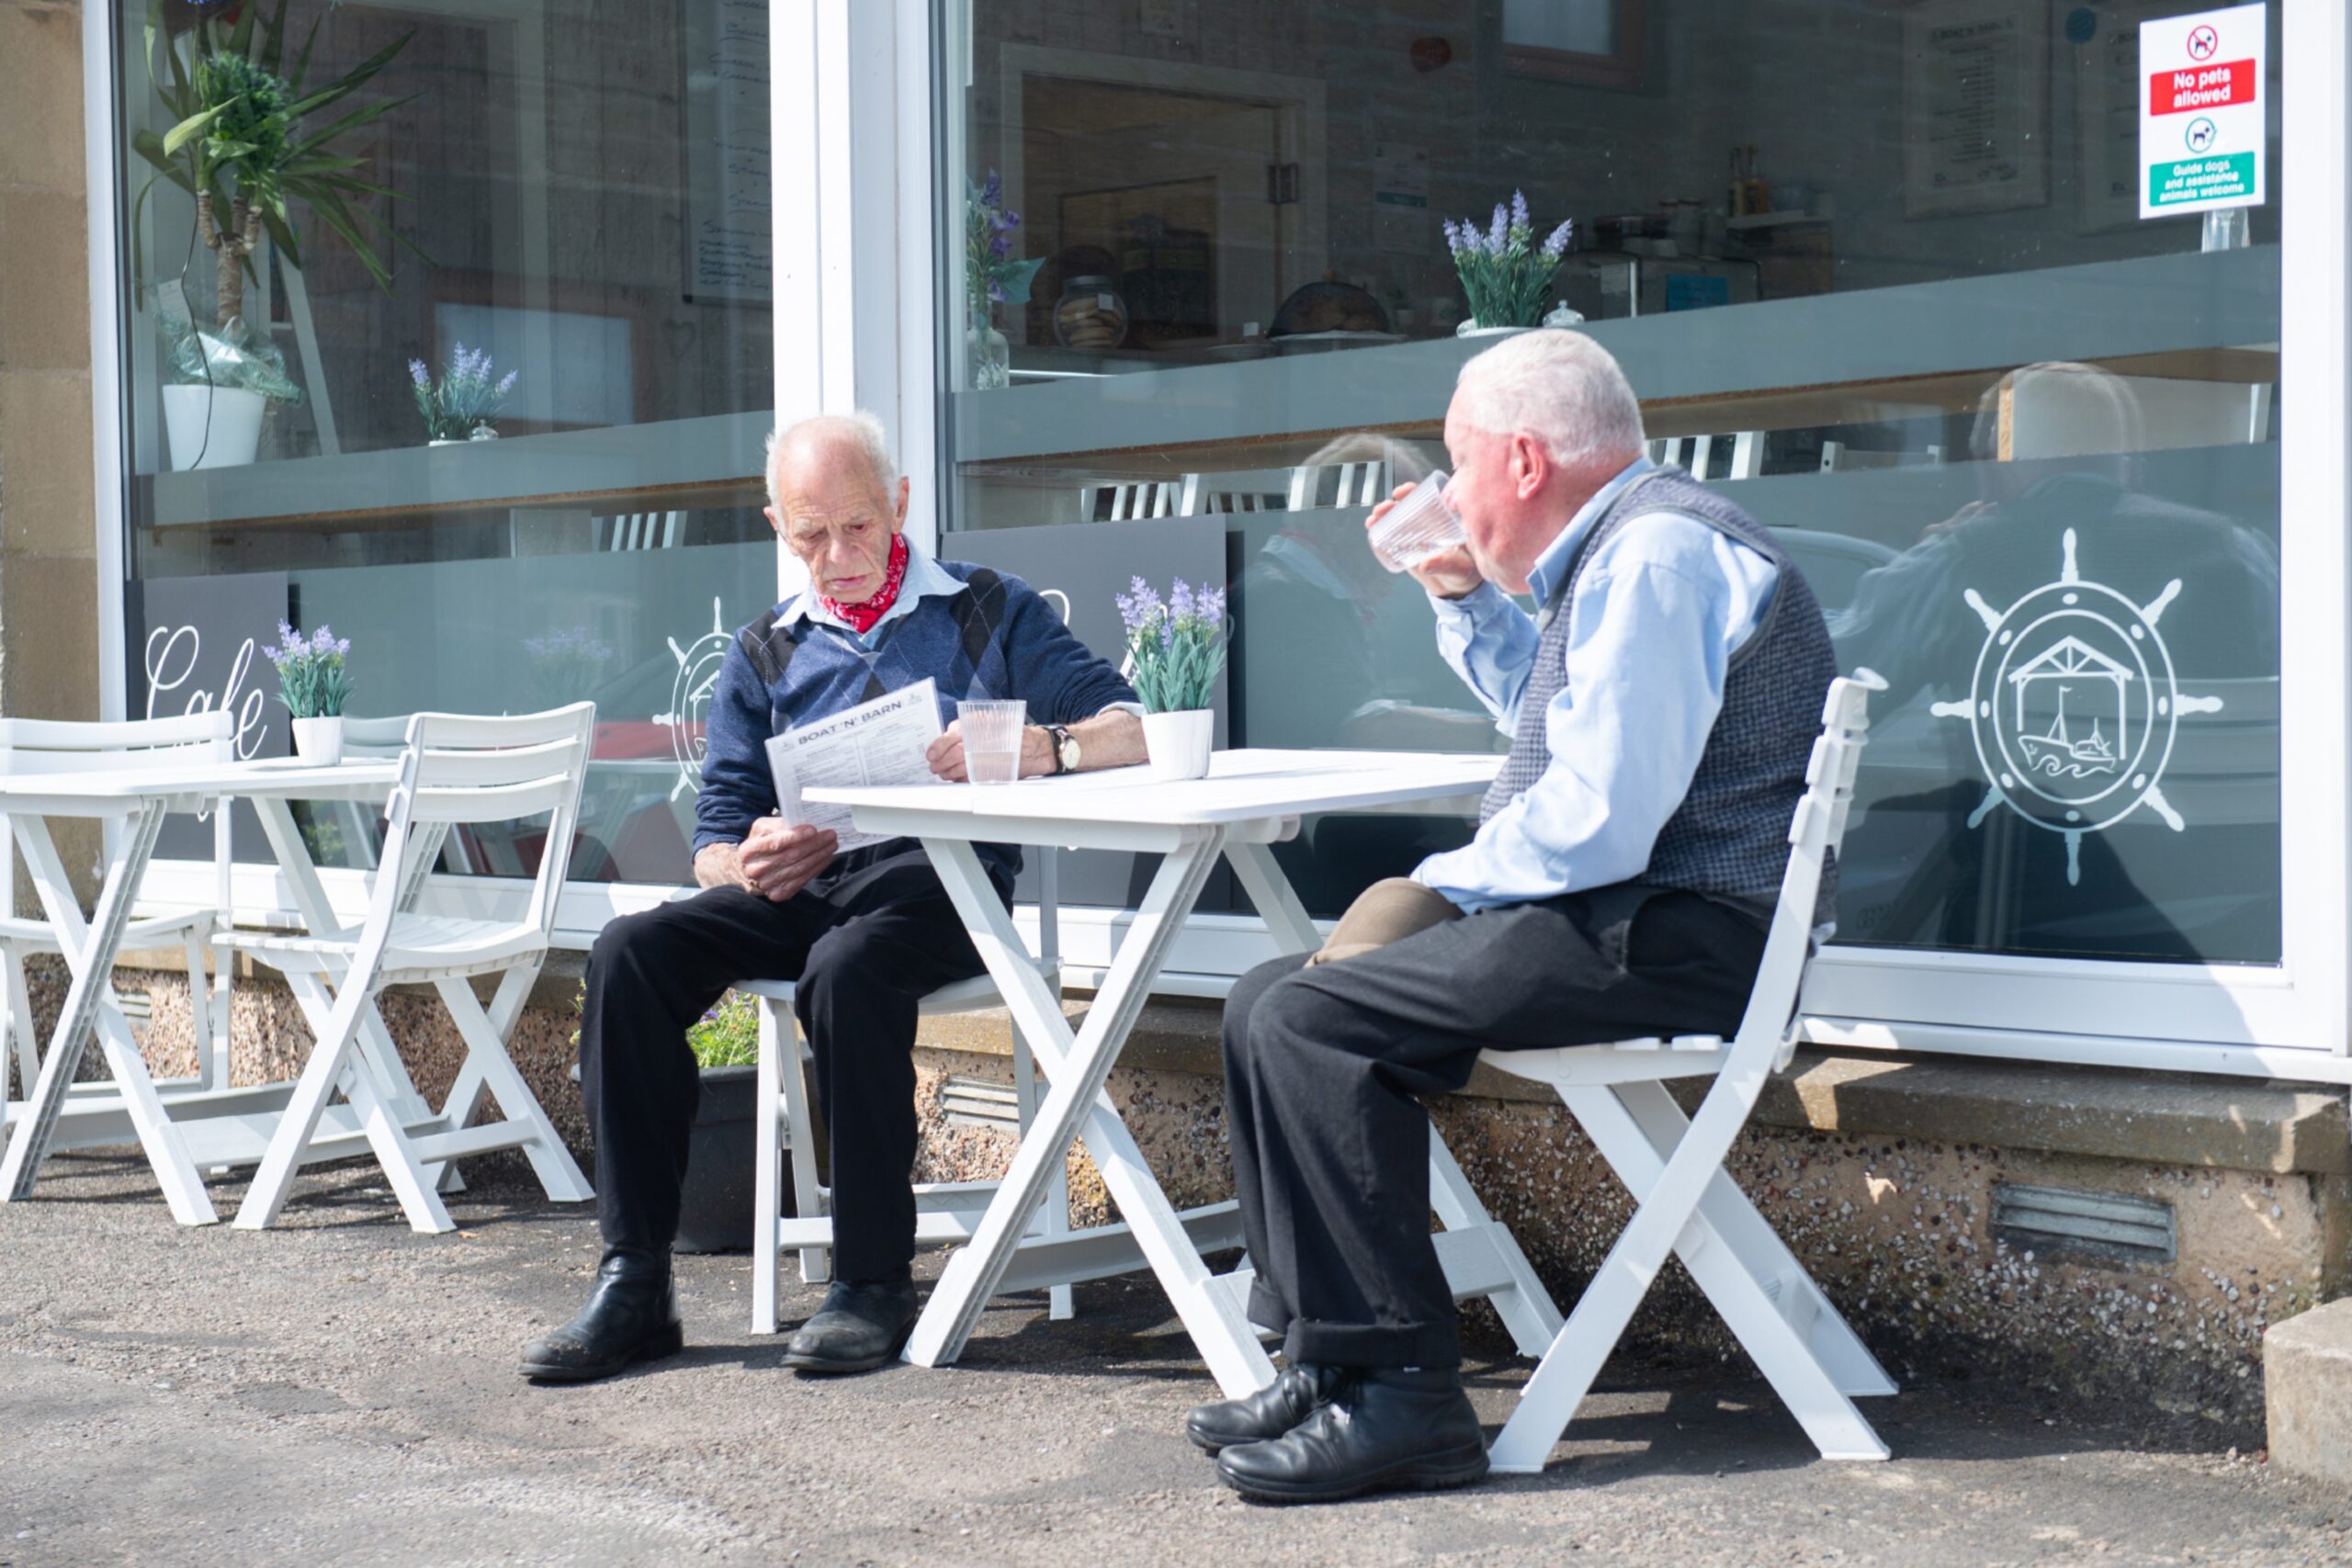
(880, 742)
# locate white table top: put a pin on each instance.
(109, 790)
(1242, 786)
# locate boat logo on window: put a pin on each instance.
(698, 666)
(2074, 706)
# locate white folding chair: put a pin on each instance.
(43, 746)
(1744, 457)
(455, 769)
(1673, 1165)
(945, 1212)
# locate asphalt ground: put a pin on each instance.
(342, 1390)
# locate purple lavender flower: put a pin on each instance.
(1210, 607)
(322, 638)
(1180, 602)
(507, 384)
(1518, 210)
(1499, 234)
(418, 374)
(1000, 247)
(992, 193)
(1557, 244)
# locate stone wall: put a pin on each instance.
(1887, 1199)
(49, 606)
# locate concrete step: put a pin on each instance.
(2307, 1384)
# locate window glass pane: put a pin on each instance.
(2022, 440)
(580, 195)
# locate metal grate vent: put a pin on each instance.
(967, 1101)
(2091, 1224)
(136, 1007)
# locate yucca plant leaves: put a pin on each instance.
(309, 167)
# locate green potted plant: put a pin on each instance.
(460, 405)
(314, 682)
(241, 142)
(1175, 649)
(1506, 276)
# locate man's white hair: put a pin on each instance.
(1559, 387)
(860, 428)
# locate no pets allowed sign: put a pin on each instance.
(2202, 137)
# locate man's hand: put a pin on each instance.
(1449, 574)
(778, 861)
(945, 754)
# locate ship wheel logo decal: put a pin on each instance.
(698, 666)
(2073, 707)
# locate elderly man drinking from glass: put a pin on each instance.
(1662, 706)
(867, 932)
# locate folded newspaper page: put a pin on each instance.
(880, 742)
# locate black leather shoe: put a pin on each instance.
(860, 1327)
(1381, 1429)
(1296, 1393)
(632, 1315)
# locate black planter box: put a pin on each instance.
(716, 1211)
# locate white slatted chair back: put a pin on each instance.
(67, 746)
(473, 769)
(1673, 1165)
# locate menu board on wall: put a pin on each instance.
(1976, 107)
(729, 236)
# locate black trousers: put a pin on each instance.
(865, 941)
(1322, 1066)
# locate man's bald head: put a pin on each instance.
(826, 441)
(836, 500)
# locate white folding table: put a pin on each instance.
(1251, 800)
(182, 1133)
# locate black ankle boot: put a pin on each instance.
(631, 1316)
(861, 1325)
(1296, 1393)
(1381, 1428)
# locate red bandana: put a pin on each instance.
(862, 616)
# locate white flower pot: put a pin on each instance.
(212, 427)
(319, 740)
(1179, 743)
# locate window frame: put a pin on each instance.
(857, 84)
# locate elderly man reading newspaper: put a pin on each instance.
(866, 930)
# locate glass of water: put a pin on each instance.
(992, 732)
(1417, 527)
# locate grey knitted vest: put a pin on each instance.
(1730, 836)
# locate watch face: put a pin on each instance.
(1068, 748)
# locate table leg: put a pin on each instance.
(1077, 1066)
(89, 951)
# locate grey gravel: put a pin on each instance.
(342, 1390)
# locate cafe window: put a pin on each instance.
(2022, 435)
(561, 203)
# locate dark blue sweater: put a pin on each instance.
(996, 638)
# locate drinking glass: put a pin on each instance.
(992, 730)
(1417, 527)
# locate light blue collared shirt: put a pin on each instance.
(1662, 607)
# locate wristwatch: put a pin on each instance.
(1064, 747)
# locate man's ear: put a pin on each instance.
(1530, 465)
(774, 521)
(898, 510)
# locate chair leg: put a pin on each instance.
(373, 1044)
(299, 1123)
(1763, 1254)
(205, 1033)
(1669, 1219)
(20, 1019)
(559, 1174)
(801, 1138)
(1525, 1306)
(1059, 1304)
(768, 1110)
